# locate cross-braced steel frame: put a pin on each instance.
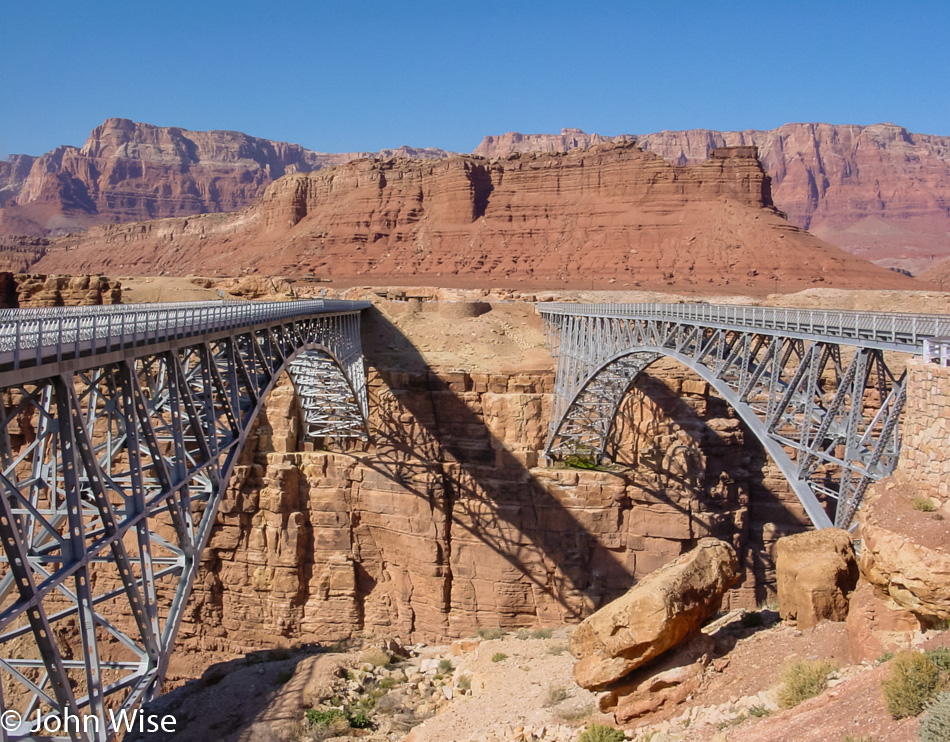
(120, 430)
(816, 388)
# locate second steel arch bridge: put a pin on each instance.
(819, 389)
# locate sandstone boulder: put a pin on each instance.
(876, 624)
(816, 572)
(659, 612)
(663, 683)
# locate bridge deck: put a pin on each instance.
(33, 337)
(882, 330)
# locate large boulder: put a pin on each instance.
(816, 572)
(665, 608)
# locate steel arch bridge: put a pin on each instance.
(121, 427)
(820, 390)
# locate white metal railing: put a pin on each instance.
(937, 350)
(30, 336)
(891, 328)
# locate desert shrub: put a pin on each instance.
(554, 695)
(542, 634)
(445, 666)
(284, 676)
(758, 711)
(376, 657)
(360, 720)
(849, 738)
(499, 657)
(464, 683)
(601, 733)
(886, 657)
(557, 649)
(492, 633)
(581, 461)
(325, 717)
(913, 681)
(940, 657)
(924, 504)
(802, 680)
(935, 723)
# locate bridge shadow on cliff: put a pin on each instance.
(487, 493)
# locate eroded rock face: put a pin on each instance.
(447, 525)
(826, 177)
(903, 518)
(614, 215)
(659, 612)
(129, 171)
(38, 290)
(876, 624)
(817, 572)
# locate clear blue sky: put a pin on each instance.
(345, 76)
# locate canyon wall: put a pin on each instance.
(446, 522)
(610, 216)
(877, 191)
(128, 171)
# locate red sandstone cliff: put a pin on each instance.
(878, 191)
(613, 214)
(128, 171)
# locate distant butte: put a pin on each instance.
(609, 216)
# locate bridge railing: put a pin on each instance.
(937, 350)
(885, 327)
(28, 336)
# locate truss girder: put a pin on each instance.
(111, 474)
(832, 426)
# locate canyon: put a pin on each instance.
(612, 216)
(448, 521)
(877, 191)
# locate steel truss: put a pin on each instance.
(814, 387)
(112, 465)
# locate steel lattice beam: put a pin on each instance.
(831, 428)
(120, 429)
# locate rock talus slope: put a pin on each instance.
(610, 214)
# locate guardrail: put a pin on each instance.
(30, 336)
(937, 350)
(892, 328)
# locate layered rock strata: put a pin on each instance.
(613, 215)
(877, 191)
(129, 171)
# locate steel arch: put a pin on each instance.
(111, 472)
(814, 387)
